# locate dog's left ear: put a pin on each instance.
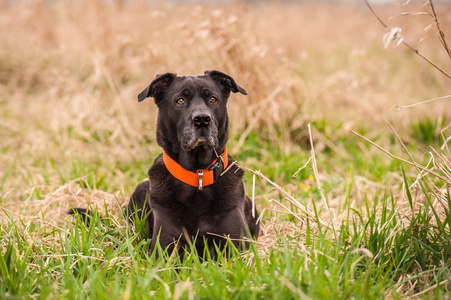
(157, 86)
(226, 81)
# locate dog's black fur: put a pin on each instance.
(190, 131)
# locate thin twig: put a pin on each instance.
(445, 140)
(422, 102)
(442, 35)
(413, 161)
(408, 45)
(253, 196)
(315, 172)
(293, 288)
(303, 167)
(30, 218)
(399, 158)
(445, 143)
(430, 288)
(290, 198)
(445, 160)
(288, 210)
(404, 147)
(421, 175)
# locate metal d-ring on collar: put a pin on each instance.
(200, 175)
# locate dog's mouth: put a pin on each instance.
(197, 139)
(200, 142)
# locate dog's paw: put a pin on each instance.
(85, 214)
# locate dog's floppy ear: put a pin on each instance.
(226, 81)
(160, 82)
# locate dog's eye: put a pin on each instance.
(180, 101)
(213, 99)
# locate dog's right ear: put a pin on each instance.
(226, 81)
(161, 82)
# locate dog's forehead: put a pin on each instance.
(196, 82)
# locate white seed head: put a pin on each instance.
(393, 38)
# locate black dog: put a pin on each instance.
(194, 189)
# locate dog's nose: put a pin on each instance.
(201, 119)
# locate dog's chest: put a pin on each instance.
(198, 212)
(186, 206)
(207, 201)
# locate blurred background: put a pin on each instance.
(70, 72)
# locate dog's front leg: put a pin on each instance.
(166, 234)
(233, 225)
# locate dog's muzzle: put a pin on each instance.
(200, 132)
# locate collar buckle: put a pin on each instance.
(217, 168)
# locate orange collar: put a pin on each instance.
(200, 178)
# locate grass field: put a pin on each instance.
(352, 223)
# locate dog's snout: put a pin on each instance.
(201, 119)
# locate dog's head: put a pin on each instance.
(192, 111)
